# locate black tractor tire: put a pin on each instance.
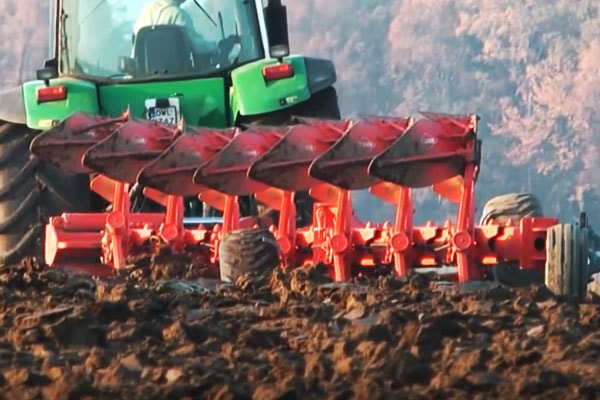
(322, 105)
(30, 192)
(513, 206)
(248, 251)
(566, 270)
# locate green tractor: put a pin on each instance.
(101, 65)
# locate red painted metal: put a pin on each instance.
(129, 148)
(391, 157)
(65, 144)
(227, 171)
(173, 171)
(286, 164)
(118, 149)
(352, 154)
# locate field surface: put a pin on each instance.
(288, 336)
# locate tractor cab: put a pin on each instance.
(156, 38)
(168, 60)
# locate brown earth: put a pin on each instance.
(289, 336)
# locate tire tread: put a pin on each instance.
(31, 191)
(245, 251)
(566, 260)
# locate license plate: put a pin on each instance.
(163, 111)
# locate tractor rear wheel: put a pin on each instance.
(513, 206)
(247, 251)
(567, 260)
(322, 105)
(30, 192)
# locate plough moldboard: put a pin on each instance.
(388, 156)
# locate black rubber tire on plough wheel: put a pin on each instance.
(324, 105)
(567, 270)
(513, 206)
(30, 192)
(248, 251)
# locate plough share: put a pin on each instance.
(328, 158)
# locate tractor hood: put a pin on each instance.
(198, 101)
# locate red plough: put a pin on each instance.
(119, 149)
(388, 156)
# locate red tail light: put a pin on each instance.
(278, 71)
(51, 93)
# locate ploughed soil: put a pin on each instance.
(288, 336)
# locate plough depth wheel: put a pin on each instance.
(247, 251)
(513, 207)
(567, 271)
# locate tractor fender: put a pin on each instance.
(82, 96)
(252, 95)
(11, 106)
(320, 73)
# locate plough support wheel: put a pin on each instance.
(567, 271)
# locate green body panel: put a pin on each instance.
(251, 94)
(202, 101)
(82, 96)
